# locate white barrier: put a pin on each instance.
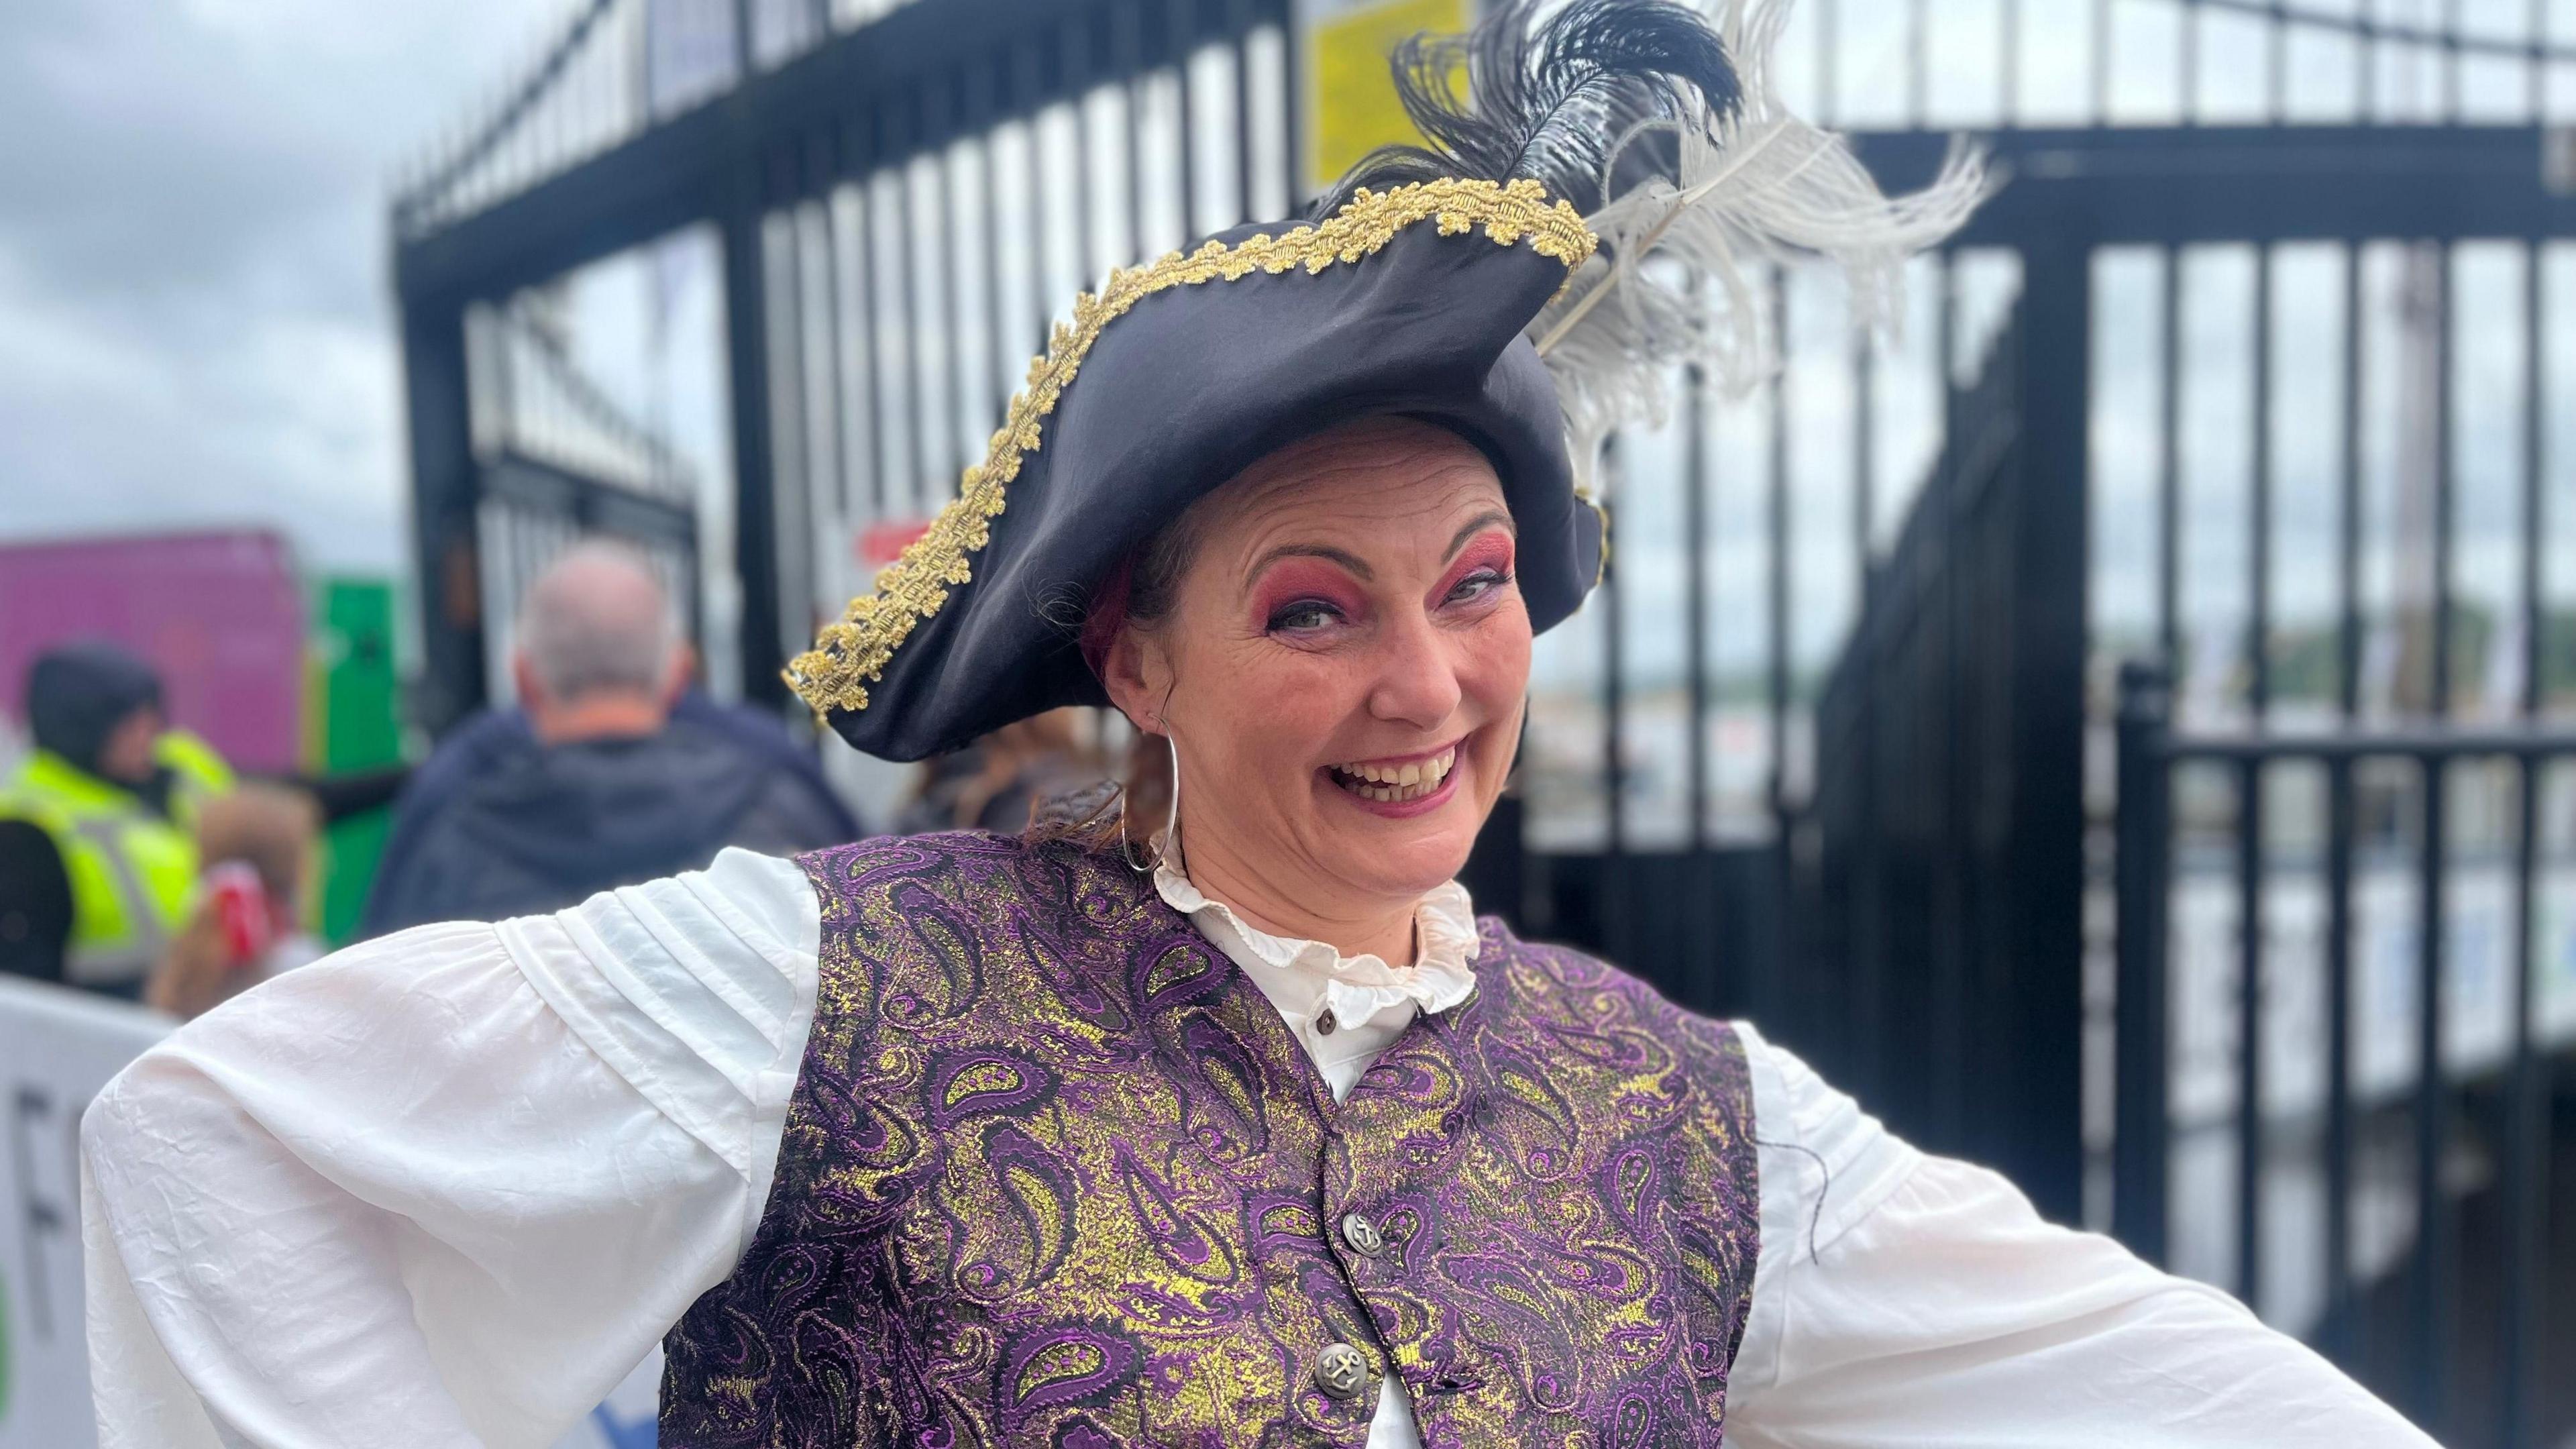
(57, 1048)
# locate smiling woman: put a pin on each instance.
(1226, 1122)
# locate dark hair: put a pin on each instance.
(1142, 589)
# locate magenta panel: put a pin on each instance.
(221, 614)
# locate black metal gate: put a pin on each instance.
(1835, 743)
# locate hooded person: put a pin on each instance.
(111, 792)
(1214, 1117)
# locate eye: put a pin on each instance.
(1478, 584)
(1303, 616)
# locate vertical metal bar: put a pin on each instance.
(838, 425)
(2142, 1127)
(952, 279)
(1241, 15)
(2250, 826)
(2339, 1329)
(2041, 1092)
(1614, 681)
(1695, 486)
(1127, 59)
(1776, 527)
(1863, 362)
(1182, 29)
(1078, 77)
(880, 495)
(763, 639)
(1955, 606)
(1030, 63)
(447, 562)
(2348, 513)
(2431, 1287)
(916, 466)
(2429, 1290)
(2526, 1137)
(2169, 469)
(2444, 484)
(994, 79)
(1293, 64)
(792, 459)
(1868, 648)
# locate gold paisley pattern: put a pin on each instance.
(850, 655)
(998, 1222)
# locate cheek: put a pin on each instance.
(1494, 662)
(1279, 708)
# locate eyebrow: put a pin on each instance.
(1477, 525)
(1313, 550)
(1360, 569)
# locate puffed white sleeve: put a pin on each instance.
(1905, 1299)
(447, 1187)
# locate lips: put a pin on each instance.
(1393, 782)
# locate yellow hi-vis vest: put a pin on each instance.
(133, 871)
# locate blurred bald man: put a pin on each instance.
(608, 785)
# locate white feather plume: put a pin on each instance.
(1680, 275)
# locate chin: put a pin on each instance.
(1393, 860)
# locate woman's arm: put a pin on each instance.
(445, 1188)
(1911, 1300)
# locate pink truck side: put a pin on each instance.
(220, 614)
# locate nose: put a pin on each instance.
(1417, 681)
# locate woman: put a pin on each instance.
(1218, 1124)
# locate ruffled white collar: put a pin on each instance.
(1315, 977)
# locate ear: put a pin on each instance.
(532, 696)
(684, 669)
(1138, 675)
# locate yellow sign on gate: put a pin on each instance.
(1350, 102)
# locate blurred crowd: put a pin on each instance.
(137, 863)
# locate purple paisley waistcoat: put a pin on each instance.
(1056, 1174)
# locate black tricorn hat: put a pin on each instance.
(1414, 293)
(1178, 376)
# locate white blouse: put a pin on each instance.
(447, 1188)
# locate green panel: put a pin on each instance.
(354, 722)
(360, 725)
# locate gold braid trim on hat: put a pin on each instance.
(850, 655)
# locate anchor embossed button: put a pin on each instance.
(1340, 1371)
(1362, 1235)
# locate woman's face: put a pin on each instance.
(1343, 668)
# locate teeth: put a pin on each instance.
(1390, 783)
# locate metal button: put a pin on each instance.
(1325, 1022)
(1362, 1235)
(1341, 1371)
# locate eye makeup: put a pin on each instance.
(1301, 587)
(1490, 552)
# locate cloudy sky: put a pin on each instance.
(194, 311)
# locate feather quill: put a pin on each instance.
(1549, 101)
(1686, 251)
(1663, 124)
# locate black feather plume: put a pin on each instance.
(1549, 101)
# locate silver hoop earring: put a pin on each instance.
(1171, 835)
